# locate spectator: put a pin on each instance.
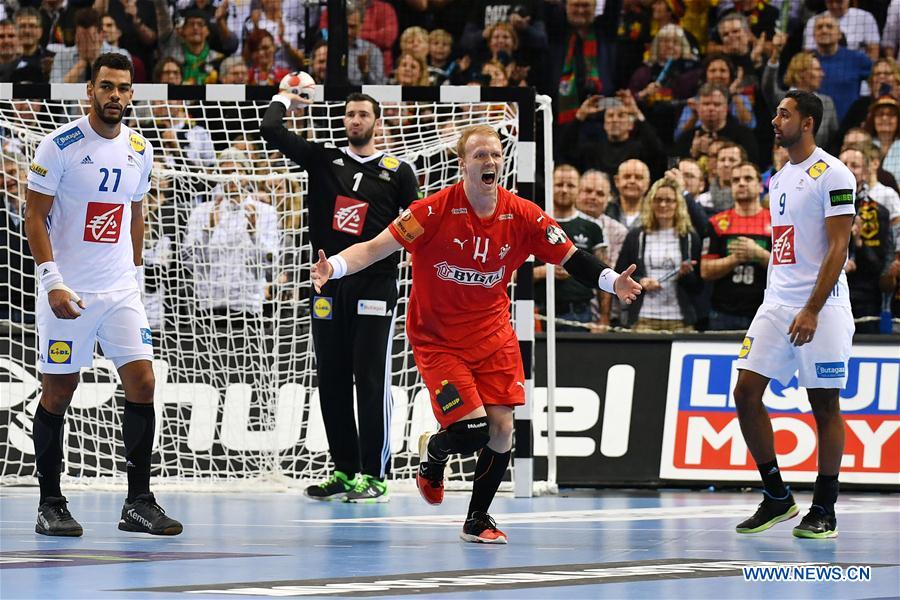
(844, 68)
(718, 69)
(112, 33)
(365, 64)
(632, 181)
(573, 300)
(137, 21)
(494, 75)
(871, 245)
(227, 121)
(200, 63)
(163, 223)
(740, 46)
(182, 140)
(594, 193)
(319, 63)
(414, 40)
(714, 122)
(882, 123)
(670, 12)
(688, 173)
(285, 29)
(58, 22)
(233, 70)
(884, 81)
(736, 253)
(626, 134)
(221, 38)
(632, 38)
(890, 37)
(380, 26)
(858, 26)
(877, 191)
(168, 70)
(230, 245)
(666, 250)
(858, 135)
(411, 71)
(694, 180)
(779, 158)
(761, 16)
(503, 48)
(73, 64)
(13, 66)
(29, 25)
(581, 55)
(525, 17)
(17, 288)
(259, 54)
(440, 50)
(803, 73)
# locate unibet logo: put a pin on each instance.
(839, 197)
(60, 352)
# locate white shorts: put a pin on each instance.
(822, 363)
(116, 319)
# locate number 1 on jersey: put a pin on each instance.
(116, 172)
(357, 179)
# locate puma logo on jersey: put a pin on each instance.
(460, 242)
(103, 222)
(87, 160)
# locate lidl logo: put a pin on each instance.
(322, 307)
(60, 352)
(745, 347)
(137, 143)
(817, 169)
(390, 163)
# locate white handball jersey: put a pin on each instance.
(94, 181)
(801, 197)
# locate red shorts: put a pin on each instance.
(459, 384)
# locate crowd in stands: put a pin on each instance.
(662, 111)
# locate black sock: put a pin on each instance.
(771, 477)
(47, 433)
(489, 472)
(439, 447)
(138, 423)
(825, 492)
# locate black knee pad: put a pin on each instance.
(469, 436)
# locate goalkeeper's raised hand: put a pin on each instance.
(321, 272)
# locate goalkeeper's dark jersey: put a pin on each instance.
(350, 199)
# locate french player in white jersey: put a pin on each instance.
(804, 325)
(85, 227)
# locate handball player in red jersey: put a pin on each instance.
(466, 241)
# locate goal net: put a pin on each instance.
(227, 288)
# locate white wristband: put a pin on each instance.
(338, 266)
(607, 281)
(51, 279)
(283, 100)
(139, 275)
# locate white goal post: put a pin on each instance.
(236, 395)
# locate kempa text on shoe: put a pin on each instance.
(143, 521)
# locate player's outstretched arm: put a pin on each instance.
(589, 271)
(62, 300)
(353, 259)
(272, 128)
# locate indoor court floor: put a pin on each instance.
(610, 544)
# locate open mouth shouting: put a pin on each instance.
(489, 177)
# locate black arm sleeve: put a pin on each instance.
(290, 144)
(585, 268)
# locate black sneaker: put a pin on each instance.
(146, 516)
(368, 490)
(817, 524)
(771, 511)
(54, 518)
(482, 529)
(335, 487)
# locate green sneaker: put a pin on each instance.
(817, 525)
(771, 511)
(368, 490)
(334, 488)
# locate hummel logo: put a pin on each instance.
(460, 242)
(339, 162)
(519, 383)
(430, 211)
(87, 160)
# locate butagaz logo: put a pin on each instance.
(87, 160)
(832, 370)
(37, 169)
(103, 222)
(505, 217)
(783, 245)
(69, 137)
(449, 272)
(349, 215)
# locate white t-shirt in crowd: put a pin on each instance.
(94, 181)
(801, 197)
(662, 255)
(858, 26)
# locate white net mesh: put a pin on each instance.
(236, 391)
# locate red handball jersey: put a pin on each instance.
(462, 263)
